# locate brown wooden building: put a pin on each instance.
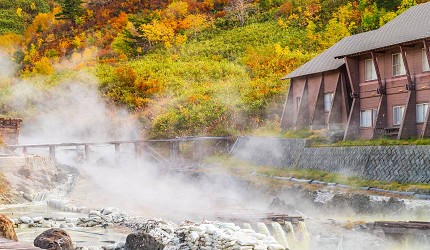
(9, 130)
(367, 85)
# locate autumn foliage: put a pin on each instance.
(186, 67)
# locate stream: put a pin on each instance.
(81, 236)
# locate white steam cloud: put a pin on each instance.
(70, 112)
(73, 111)
(7, 67)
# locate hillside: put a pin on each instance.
(189, 67)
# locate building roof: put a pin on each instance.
(411, 25)
(326, 61)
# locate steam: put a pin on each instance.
(6, 65)
(73, 111)
(69, 112)
(147, 191)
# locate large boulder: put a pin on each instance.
(6, 228)
(54, 239)
(143, 241)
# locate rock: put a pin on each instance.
(54, 239)
(109, 210)
(247, 241)
(197, 228)
(94, 213)
(278, 205)
(26, 220)
(194, 236)
(107, 218)
(109, 247)
(37, 219)
(6, 228)
(117, 217)
(28, 197)
(143, 241)
(46, 224)
(276, 247)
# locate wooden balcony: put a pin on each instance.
(387, 131)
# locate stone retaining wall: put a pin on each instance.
(383, 163)
(271, 151)
(35, 161)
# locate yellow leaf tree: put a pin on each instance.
(158, 32)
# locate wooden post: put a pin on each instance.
(302, 116)
(408, 128)
(200, 150)
(381, 117)
(117, 152)
(87, 152)
(137, 150)
(288, 111)
(317, 119)
(195, 148)
(378, 73)
(426, 48)
(426, 128)
(52, 152)
(174, 151)
(117, 148)
(335, 114)
(352, 130)
(405, 63)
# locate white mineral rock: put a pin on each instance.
(26, 220)
(109, 210)
(37, 219)
(94, 213)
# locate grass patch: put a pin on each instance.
(242, 168)
(301, 133)
(376, 142)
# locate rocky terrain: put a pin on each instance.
(34, 177)
(334, 218)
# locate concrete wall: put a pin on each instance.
(383, 163)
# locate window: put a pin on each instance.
(298, 103)
(366, 118)
(370, 70)
(328, 100)
(425, 61)
(398, 115)
(422, 112)
(398, 65)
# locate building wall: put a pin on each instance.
(330, 82)
(298, 85)
(396, 92)
(314, 82)
(9, 130)
(318, 118)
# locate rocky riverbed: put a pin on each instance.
(333, 218)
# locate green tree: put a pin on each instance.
(70, 10)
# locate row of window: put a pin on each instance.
(368, 117)
(397, 63)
